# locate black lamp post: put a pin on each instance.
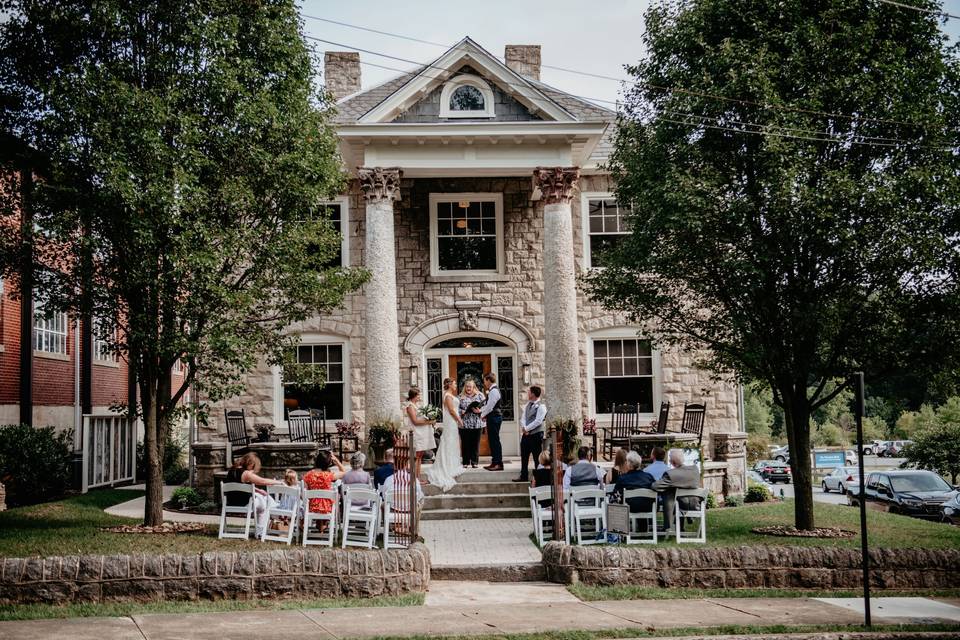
(865, 557)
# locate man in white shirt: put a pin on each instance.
(492, 415)
(584, 472)
(531, 423)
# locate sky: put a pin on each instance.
(597, 37)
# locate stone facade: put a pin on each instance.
(524, 59)
(518, 295)
(753, 567)
(288, 573)
(341, 70)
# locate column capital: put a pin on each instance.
(380, 183)
(557, 184)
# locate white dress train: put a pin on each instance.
(446, 465)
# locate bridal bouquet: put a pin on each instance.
(431, 412)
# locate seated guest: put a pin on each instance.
(246, 470)
(541, 475)
(619, 466)
(385, 470)
(584, 472)
(657, 466)
(399, 483)
(681, 476)
(635, 478)
(357, 475)
(321, 477)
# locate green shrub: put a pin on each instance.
(758, 493)
(35, 463)
(758, 447)
(187, 497)
(711, 501)
(175, 470)
(733, 501)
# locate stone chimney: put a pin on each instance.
(524, 59)
(341, 72)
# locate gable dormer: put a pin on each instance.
(455, 86)
(467, 96)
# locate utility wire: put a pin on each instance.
(700, 94)
(904, 5)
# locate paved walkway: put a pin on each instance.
(502, 541)
(492, 609)
(134, 509)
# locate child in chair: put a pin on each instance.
(291, 479)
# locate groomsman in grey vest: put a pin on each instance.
(531, 422)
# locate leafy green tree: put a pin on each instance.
(936, 449)
(189, 153)
(793, 170)
(757, 414)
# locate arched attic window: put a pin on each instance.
(466, 96)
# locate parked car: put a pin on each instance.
(893, 448)
(773, 471)
(870, 448)
(850, 458)
(839, 479)
(781, 454)
(754, 476)
(950, 510)
(914, 493)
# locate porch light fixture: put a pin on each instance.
(525, 374)
(414, 371)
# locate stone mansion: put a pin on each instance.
(477, 196)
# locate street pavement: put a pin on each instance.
(479, 608)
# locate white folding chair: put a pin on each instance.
(540, 513)
(245, 511)
(278, 492)
(636, 536)
(360, 520)
(311, 536)
(699, 513)
(588, 504)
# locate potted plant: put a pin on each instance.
(264, 431)
(381, 435)
(566, 430)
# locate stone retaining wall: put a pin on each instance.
(288, 573)
(751, 567)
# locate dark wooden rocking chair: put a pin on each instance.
(661, 427)
(237, 436)
(693, 419)
(625, 421)
(300, 426)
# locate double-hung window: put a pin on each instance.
(330, 357)
(103, 333)
(49, 331)
(466, 233)
(622, 374)
(338, 215)
(606, 225)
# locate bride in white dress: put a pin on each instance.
(447, 466)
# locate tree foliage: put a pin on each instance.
(936, 445)
(793, 171)
(189, 153)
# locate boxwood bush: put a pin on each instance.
(35, 463)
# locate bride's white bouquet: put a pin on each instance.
(431, 412)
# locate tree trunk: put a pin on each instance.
(796, 415)
(153, 441)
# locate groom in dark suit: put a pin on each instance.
(494, 418)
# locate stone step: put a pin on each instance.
(471, 514)
(476, 488)
(476, 501)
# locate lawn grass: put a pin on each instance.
(626, 592)
(698, 632)
(44, 611)
(73, 526)
(731, 527)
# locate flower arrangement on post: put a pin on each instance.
(566, 430)
(264, 431)
(381, 435)
(589, 426)
(349, 429)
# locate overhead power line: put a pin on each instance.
(904, 5)
(690, 92)
(762, 129)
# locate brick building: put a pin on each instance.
(477, 196)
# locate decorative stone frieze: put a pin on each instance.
(226, 575)
(727, 446)
(556, 184)
(380, 183)
(751, 567)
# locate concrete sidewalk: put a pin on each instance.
(458, 609)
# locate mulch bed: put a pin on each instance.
(785, 531)
(166, 527)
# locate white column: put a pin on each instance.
(561, 336)
(380, 187)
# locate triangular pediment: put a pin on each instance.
(419, 99)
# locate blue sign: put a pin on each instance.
(829, 459)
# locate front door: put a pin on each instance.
(472, 367)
